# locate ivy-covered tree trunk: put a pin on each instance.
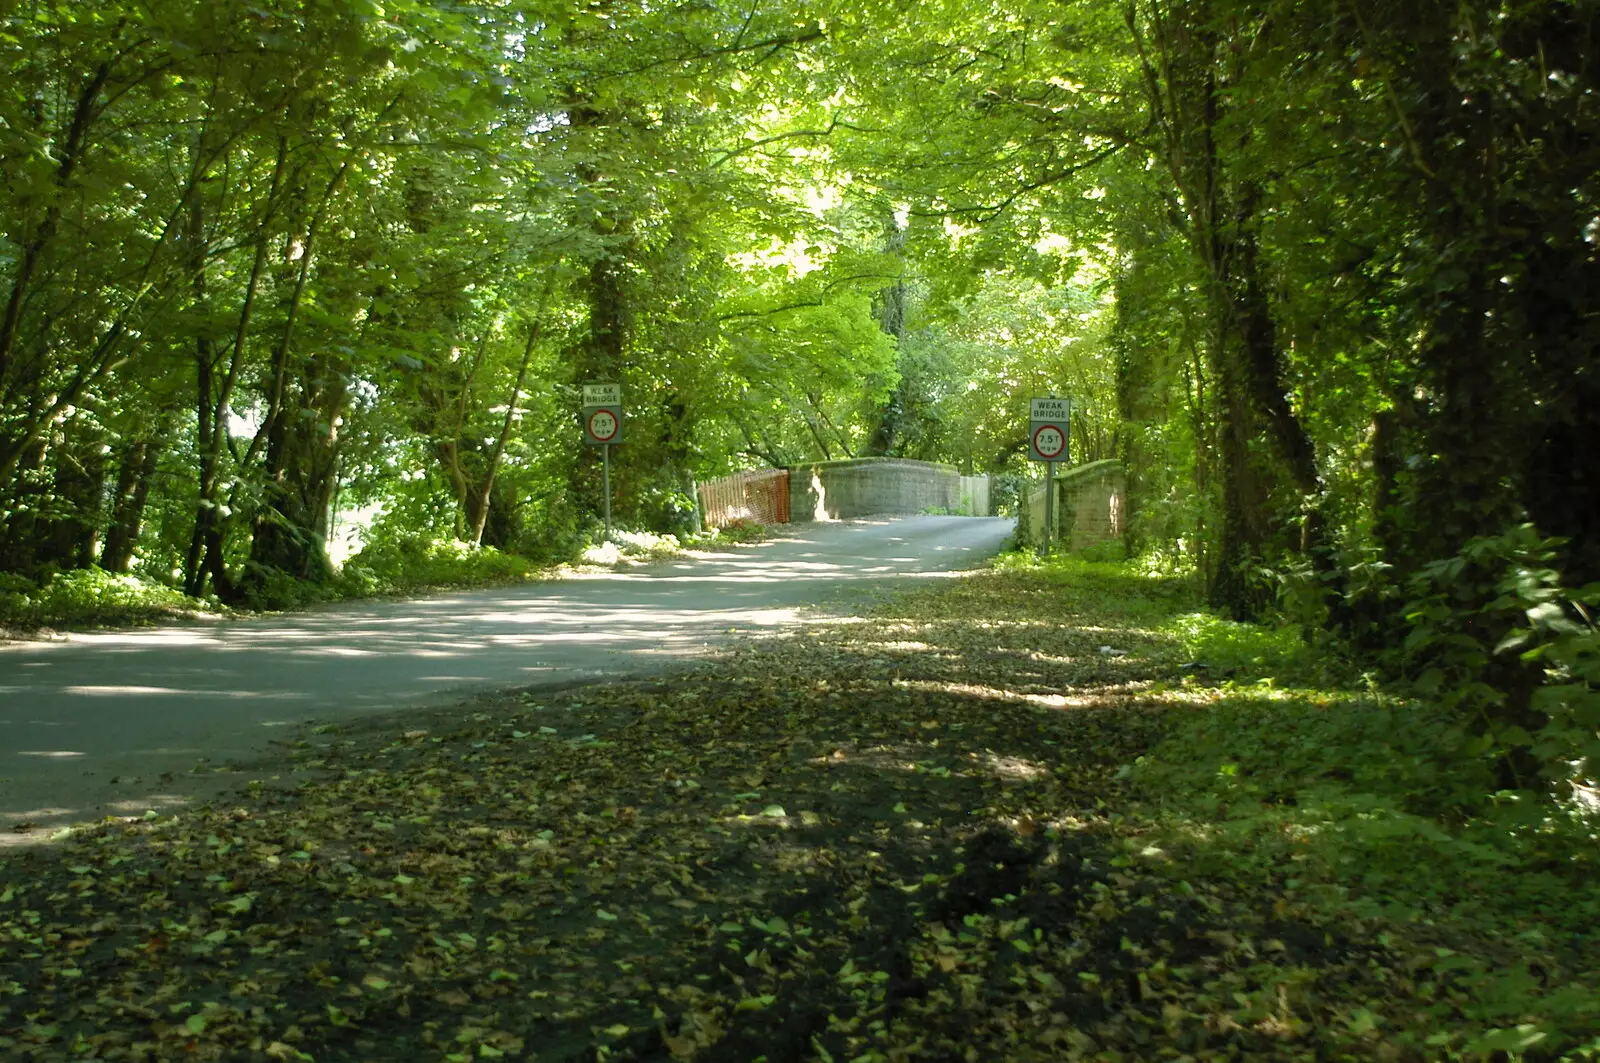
(136, 469)
(1502, 423)
(67, 537)
(1193, 61)
(890, 308)
(302, 468)
(600, 355)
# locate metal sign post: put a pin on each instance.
(1049, 503)
(602, 427)
(1049, 430)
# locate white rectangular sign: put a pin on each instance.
(1049, 429)
(602, 394)
(1049, 409)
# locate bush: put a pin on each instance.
(1106, 550)
(675, 512)
(410, 563)
(1006, 490)
(269, 589)
(89, 597)
(632, 546)
(1260, 744)
(1496, 637)
(739, 530)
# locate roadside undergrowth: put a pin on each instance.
(1008, 817)
(395, 567)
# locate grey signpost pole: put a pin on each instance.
(606, 465)
(1049, 429)
(1049, 502)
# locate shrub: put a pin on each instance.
(741, 530)
(268, 588)
(1006, 490)
(406, 564)
(1495, 637)
(86, 597)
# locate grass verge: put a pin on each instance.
(998, 820)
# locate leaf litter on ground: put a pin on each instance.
(907, 836)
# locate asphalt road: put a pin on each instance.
(115, 723)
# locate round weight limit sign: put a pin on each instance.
(1050, 442)
(603, 426)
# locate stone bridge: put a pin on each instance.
(1090, 506)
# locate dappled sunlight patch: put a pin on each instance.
(1011, 767)
(974, 690)
(899, 647)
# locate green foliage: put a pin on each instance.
(1129, 595)
(1272, 741)
(1106, 550)
(407, 564)
(1228, 648)
(1497, 639)
(669, 510)
(89, 597)
(738, 530)
(270, 589)
(1363, 806)
(634, 546)
(1006, 492)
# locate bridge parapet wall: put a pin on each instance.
(864, 487)
(1089, 506)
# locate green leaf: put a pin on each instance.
(755, 1003)
(195, 1024)
(1505, 1040)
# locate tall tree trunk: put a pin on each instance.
(213, 409)
(1265, 452)
(601, 355)
(66, 539)
(891, 313)
(485, 492)
(136, 469)
(301, 447)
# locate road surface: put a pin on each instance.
(114, 723)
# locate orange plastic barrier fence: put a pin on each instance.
(761, 496)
